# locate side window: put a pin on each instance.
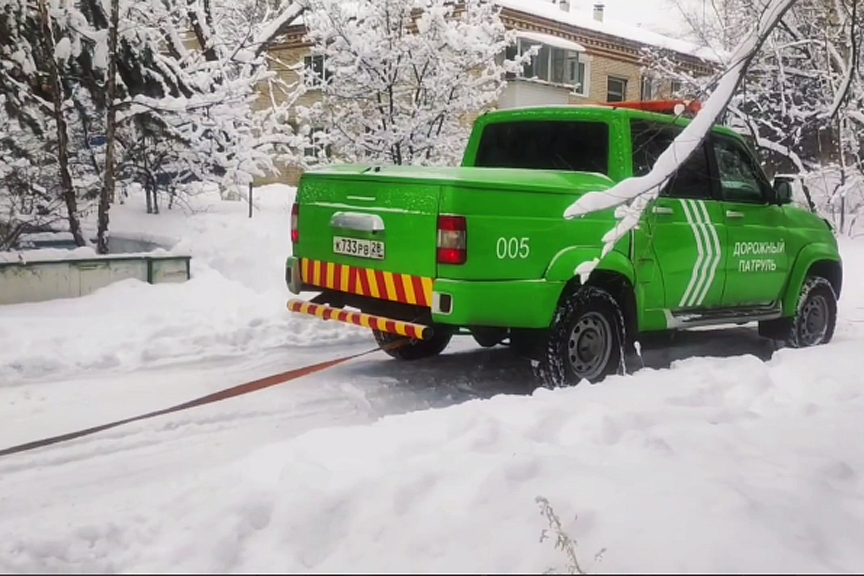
(649, 141)
(738, 175)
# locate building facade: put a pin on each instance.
(582, 59)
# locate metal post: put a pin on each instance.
(250, 200)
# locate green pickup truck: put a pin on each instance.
(421, 253)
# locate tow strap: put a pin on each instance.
(225, 394)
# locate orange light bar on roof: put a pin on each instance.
(676, 107)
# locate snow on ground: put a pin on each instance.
(711, 464)
(234, 304)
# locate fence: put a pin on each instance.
(42, 280)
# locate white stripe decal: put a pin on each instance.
(699, 248)
(718, 254)
(701, 222)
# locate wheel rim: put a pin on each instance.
(814, 320)
(590, 345)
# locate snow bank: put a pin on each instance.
(233, 305)
(714, 465)
(717, 465)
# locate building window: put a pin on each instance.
(551, 64)
(616, 89)
(675, 87)
(649, 88)
(578, 76)
(315, 151)
(315, 70)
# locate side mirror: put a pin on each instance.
(783, 190)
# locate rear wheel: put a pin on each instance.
(415, 349)
(585, 340)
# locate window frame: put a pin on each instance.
(623, 81)
(652, 88)
(713, 194)
(313, 80)
(522, 45)
(766, 187)
(609, 158)
(313, 152)
(584, 89)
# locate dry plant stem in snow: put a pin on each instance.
(563, 542)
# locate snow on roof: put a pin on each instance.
(546, 9)
(550, 40)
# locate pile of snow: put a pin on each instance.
(731, 465)
(234, 304)
(714, 465)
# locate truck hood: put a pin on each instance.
(546, 181)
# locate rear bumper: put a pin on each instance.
(407, 329)
(505, 304)
(302, 274)
(293, 275)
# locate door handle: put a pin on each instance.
(734, 214)
(357, 222)
(665, 210)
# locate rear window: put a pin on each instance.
(546, 145)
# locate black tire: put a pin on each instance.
(585, 340)
(415, 349)
(488, 337)
(816, 316)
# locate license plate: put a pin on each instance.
(373, 249)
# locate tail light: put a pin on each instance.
(295, 223)
(452, 240)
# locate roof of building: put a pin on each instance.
(585, 20)
(548, 10)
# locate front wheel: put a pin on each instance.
(814, 320)
(415, 349)
(585, 341)
(816, 317)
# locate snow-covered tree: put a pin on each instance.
(632, 195)
(206, 113)
(36, 41)
(187, 102)
(400, 79)
(802, 95)
(28, 202)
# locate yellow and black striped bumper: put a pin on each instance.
(414, 290)
(407, 329)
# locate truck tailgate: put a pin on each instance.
(367, 224)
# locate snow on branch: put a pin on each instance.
(849, 70)
(400, 80)
(289, 12)
(639, 191)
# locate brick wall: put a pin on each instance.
(602, 68)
